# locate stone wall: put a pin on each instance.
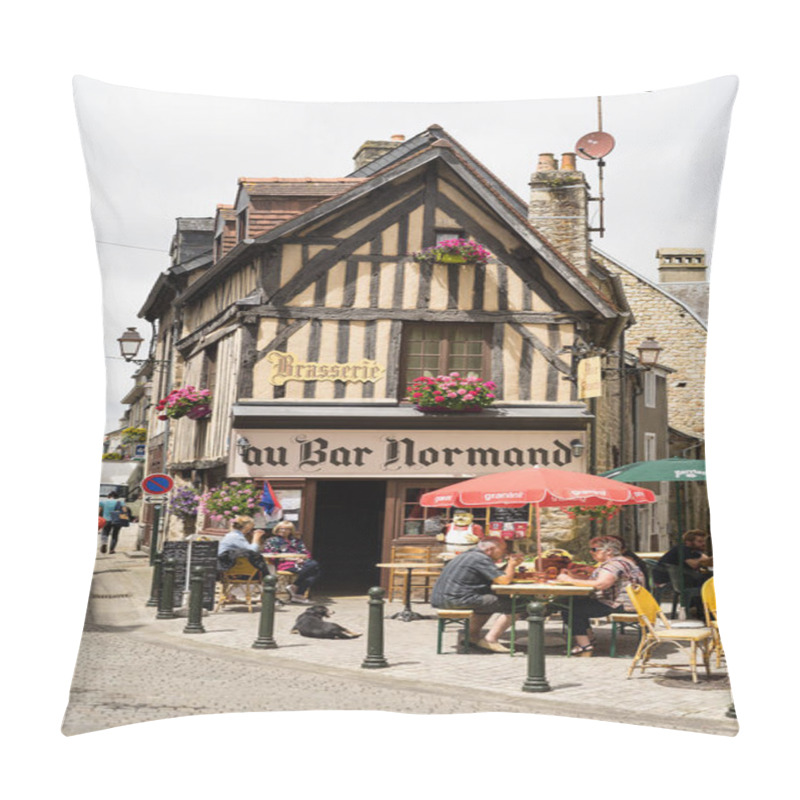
(683, 339)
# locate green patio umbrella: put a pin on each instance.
(665, 469)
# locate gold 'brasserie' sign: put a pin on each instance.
(286, 367)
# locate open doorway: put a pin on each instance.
(348, 533)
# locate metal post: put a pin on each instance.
(731, 712)
(375, 659)
(156, 582)
(536, 681)
(266, 623)
(165, 600)
(195, 621)
(154, 532)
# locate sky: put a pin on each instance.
(155, 156)
(358, 51)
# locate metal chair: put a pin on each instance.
(680, 592)
(709, 597)
(657, 629)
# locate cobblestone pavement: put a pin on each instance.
(180, 674)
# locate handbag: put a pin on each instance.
(124, 518)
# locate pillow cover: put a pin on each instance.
(301, 350)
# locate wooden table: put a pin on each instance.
(407, 615)
(541, 590)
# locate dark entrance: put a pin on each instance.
(348, 532)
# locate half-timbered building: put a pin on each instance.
(315, 315)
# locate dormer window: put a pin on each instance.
(241, 225)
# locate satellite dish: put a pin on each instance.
(595, 145)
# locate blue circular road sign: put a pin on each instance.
(156, 484)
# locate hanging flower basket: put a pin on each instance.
(451, 393)
(454, 251)
(185, 402)
(134, 435)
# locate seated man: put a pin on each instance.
(466, 582)
(694, 559)
(241, 542)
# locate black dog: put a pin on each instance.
(312, 623)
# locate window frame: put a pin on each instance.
(444, 355)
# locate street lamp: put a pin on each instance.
(577, 447)
(129, 344)
(242, 445)
(649, 351)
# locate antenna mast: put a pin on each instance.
(594, 146)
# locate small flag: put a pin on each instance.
(270, 503)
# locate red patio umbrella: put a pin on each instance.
(540, 486)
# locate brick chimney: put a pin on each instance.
(558, 207)
(372, 149)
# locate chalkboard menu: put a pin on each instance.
(507, 514)
(188, 555)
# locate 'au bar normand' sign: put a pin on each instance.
(374, 453)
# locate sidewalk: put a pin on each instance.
(593, 688)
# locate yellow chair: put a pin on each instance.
(709, 598)
(242, 573)
(656, 629)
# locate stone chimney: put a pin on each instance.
(681, 265)
(685, 272)
(371, 149)
(558, 207)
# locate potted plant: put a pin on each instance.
(222, 503)
(454, 251)
(134, 435)
(451, 392)
(185, 402)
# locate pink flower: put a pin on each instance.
(452, 394)
(439, 399)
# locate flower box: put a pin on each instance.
(454, 251)
(186, 402)
(450, 393)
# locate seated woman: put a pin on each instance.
(241, 542)
(613, 573)
(284, 539)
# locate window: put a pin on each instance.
(650, 453)
(241, 225)
(432, 349)
(419, 521)
(650, 389)
(443, 235)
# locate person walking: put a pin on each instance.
(110, 506)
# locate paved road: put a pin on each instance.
(115, 671)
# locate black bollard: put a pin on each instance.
(536, 681)
(375, 659)
(731, 712)
(156, 582)
(266, 623)
(166, 597)
(195, 621)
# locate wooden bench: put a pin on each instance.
(453, 616)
